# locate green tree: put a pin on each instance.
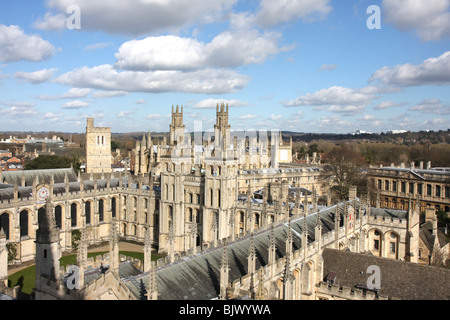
(53, 162)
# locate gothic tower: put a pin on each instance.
(98, 148)
(177, 127)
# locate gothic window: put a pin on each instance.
(198, 198)
(113, 207)
(101, 210)
(73, 215)
(376, 245)
(190, 198)
(211, 197)
(58, 217)
(41, 214)
(167, 191)
(392, 247)
(24, 223)
(190, 215)
(87, 212)
(173, 192)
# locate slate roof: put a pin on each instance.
(44, 175)
(198, 277)
(399, 279)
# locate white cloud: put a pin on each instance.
(328, 67)
(109, 94)
(228, 49)
(74, 93)
(274, 12)
(153, 117)
(36, 76)
(135, 17)
(387, 104)
(434, 106)
(140, 101)
(75, 105)
(336, 97)
(433, 71)
(275, 117)
(104, 77)
(212, 103)
(247, 117)
(98, 45)
(15, 45)
(124, 114)
(429, 18)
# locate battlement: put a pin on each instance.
(388, 221)
(346, 293)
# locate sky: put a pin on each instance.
(315, 66)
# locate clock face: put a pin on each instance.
(43, 193)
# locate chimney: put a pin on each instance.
(429, 165)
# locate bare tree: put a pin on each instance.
(343, 168)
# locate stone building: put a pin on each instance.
(393, 186)
(231, 221)
(98, 148)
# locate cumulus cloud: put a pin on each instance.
(135, 17)
(274, 12)
(228, 49)
(74, 93)
(328, 67)
(387, 105)
(105, 77)
(429, 18)
(336, 97)
(433, 71)
(434, 106)
(247, 117)
(212, 103)
(75, 105)
(35, 77)
(15, 45)
(124, 114)
(109, 94)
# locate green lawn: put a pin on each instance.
(26, 277)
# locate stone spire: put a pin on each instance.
(224, 273)
(82, 255)
(152, 292)
(289, 238)
(114, 247)
(147, 251)
(171, 243)
(252, 256)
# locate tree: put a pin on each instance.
(343, 169)
(53, 162)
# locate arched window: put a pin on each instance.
(101, 210)
(113, 207)
(190, 215)
(87, 211)
(24, 223)
(58, 217)
(41, 215)
(4, 224)
(73, 214)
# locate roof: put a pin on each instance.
(44, 175)
(399, 279)
(198, 277)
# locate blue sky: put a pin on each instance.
(298, 65)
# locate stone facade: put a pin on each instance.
(98, 148)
